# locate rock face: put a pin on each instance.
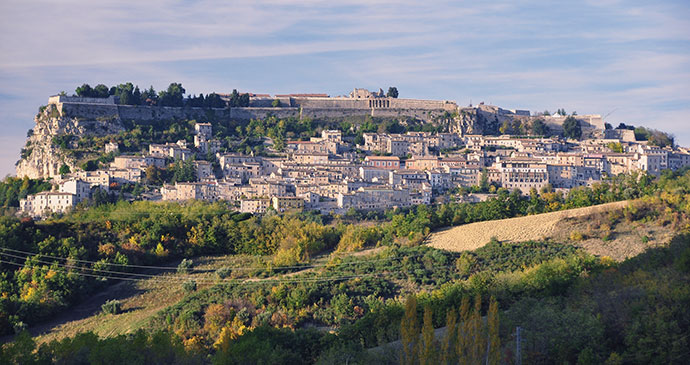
(42, 157)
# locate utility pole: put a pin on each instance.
(518, 346)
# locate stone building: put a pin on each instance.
(46, 202)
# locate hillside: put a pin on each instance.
(623, 241)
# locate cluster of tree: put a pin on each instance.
(468, 338)
(238, 100)
(654, 137)
(211, 100)
(87, 348)
(392, 92)
(521, 127)
(571, 128)
(13, 189)
(128, 94)
(178, 171)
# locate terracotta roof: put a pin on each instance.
(387, 158)
(302, 95)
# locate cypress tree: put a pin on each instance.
(477, 338)
(464, 329)
(409, 331)
(449, 341)
(494, 339)
(426, 345)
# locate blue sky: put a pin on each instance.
(631, 58)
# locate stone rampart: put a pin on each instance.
(88, 111)
(152, 113)
(82, 100)
(302, 107)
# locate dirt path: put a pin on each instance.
(534, 227)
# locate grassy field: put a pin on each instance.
(140, 300)
(587, 227)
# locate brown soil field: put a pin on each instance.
(625, 241)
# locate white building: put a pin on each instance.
(38, 205)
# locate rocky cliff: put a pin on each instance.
(46, 148)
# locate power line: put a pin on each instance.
(127, 275)
(234, 268)
(231, 281)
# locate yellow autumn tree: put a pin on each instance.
(426, 344)
(229, 333)
(494, 339)
(409, 331)
(464, 332)
(477, 336)
(449, 340)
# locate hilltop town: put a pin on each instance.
(364, 151)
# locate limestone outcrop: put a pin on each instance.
(43, 154)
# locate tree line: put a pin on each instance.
(174, 96)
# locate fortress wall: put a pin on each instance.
(422, 104)
(90, 111)
(259, 113)
(138, 112)
(151, 113)
(332, 103)
(78, 99)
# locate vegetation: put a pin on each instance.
(392, 92)
(13, 189)
(112, 306)
(128, 94)
(573, 307)
(138, 233)
(571, 128)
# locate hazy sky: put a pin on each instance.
(627, 58)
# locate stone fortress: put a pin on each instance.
(359, 102)
(79, 116)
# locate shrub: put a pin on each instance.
(645, 239)
(113, 306)
(576, 236)
(189, 285)
(223, 272)
(185, 266)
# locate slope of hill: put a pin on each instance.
(620, 241)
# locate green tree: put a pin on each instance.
(464, 339)
(539, 128)
(101, 91)
(571, 128)
(392, 92)
(64, 169)
(427, 353)
(173, 96)
(449, 345)
(409, 331)
(494, 339)
(84, 90)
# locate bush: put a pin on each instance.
(185, 266)
(113, 306)
(223, 272)
(189, 286)
(576, 236)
